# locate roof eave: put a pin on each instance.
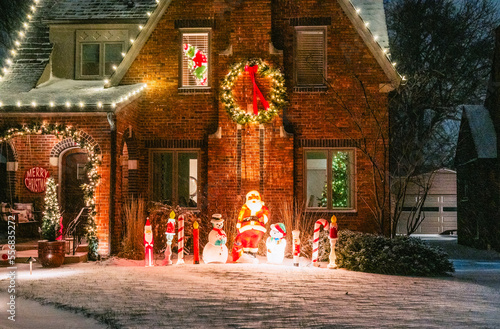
(377, 51)
(136, 47)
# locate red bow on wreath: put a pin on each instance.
(256, 92)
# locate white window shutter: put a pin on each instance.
(310, 57)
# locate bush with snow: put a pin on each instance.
(378, 254)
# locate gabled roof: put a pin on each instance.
(67, 10)
(368, 18)
(374, 13)
(482, 130)
(34, 47)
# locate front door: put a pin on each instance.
(73, 176)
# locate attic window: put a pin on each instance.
(99, 52)
(310, 56)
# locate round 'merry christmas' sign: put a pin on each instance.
(276, 97)
(35, 179)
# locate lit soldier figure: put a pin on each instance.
(148, 245)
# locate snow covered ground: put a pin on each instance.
(123, 293)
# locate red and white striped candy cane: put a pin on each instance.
(317, 227)
(180, 241)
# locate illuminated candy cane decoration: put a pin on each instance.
(180, 241)
(317, 227)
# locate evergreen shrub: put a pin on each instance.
(399, 256)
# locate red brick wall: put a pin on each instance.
(248, 26)
(35, 151)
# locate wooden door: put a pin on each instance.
(73, 176)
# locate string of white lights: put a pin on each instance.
(19, 41)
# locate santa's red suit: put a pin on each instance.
(251, 229)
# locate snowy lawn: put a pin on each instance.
(125, 294)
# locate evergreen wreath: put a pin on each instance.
(63, 132)
(277, 94)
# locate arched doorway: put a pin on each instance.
(72, 175)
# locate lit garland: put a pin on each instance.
(277, 94)
(63, 132)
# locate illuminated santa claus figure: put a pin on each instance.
(251, 227)
(148, 245)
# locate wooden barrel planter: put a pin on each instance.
(51, 253)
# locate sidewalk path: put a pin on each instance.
(260, 296)
(31, 315)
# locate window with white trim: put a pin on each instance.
(310, 56)
(330, 181)
(174, 177)
(99, 52)
(195, 58)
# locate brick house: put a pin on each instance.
(145, 83)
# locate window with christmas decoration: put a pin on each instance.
(310, 55)
(195, 58)
(174, 177)
(330, 179)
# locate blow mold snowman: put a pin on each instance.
(276, 244)
(215, 250)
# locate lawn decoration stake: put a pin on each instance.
(148, 245)
(31, 260)
(296, 247)
(215, 250)
(170, 236)
(251, 227)
(180, 241)
(317, 227)
(276, 244)
(196, 243)
(333, 240)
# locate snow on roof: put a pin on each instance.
(372, 11)
(34, 47)
(75, 92)
(99, 9)
(482, 130)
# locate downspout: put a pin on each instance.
(112, 179)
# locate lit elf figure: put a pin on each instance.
(170, 236)
(333, 241)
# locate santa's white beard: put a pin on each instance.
(254, 207)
